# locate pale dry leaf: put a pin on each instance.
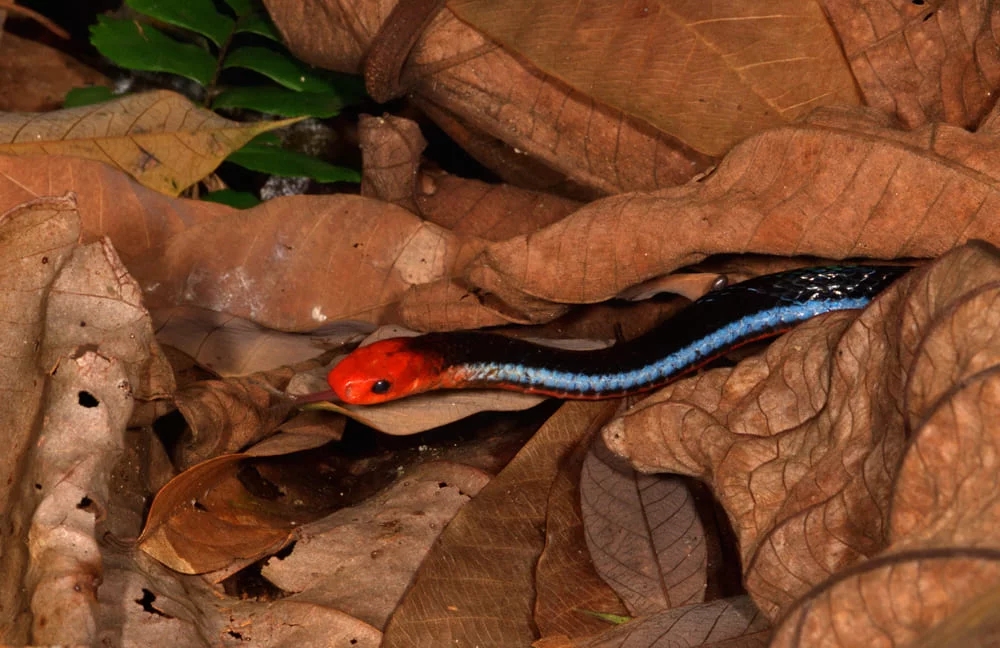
(87, 409)
(94, 301)
(360, 560)
(35, 242)
(841, 186)
(476, 586)
(644, 534)
(708, 74)
(531, 129)
(233, 346)
(159, 138)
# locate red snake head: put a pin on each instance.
(385, 371)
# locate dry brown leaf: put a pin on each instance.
(855, 458)
(921, 62)
(644, 534)
(842, 186)
(205, 520)
(476, 587)
(59, 452)
(570, 591)
(710, 74)
(159, 138)
(531, 129)
(725, 623)
(225, 416)
(392, 148)
(37, 77)
(360, 560)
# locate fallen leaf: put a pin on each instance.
(476, 586)
(570, 592)
(233, 346)
(644, 534)
(866, 191)
(707, 74)
(205, 520)
(725, 623)
(159, 138)
(853, 458)
(360, 559)
(41, 74)
(532, 130)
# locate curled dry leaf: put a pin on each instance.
(476, 586)
(855, 441)
(224, 416)
(531, 129)
(709, 74)
(921, 62)
(841, 186)
(159, 138)
(205, 520)
(360, 560)
(41, 74)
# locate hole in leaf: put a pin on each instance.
(86, 399)
(147, 603)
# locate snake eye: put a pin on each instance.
(381, 386)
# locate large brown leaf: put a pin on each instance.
(841, 186)
(531, 129)
(710, 74)
(855, 458)
(476, 586)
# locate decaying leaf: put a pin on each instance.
(707, 74)
(476, 586)
(361, 559)
(644, 535)
(855, 458)
(59, 451)
(159, 138)
(205, 520)
(840, 186)
(532, 130)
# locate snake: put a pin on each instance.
(718, 322)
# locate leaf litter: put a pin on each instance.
(851, 458)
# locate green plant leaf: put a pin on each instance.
(280, 101)
(280, 68)
(237, 199)
(269, 158)
(87, 96)
(243, 7)
(144, 47)
(260, 25)
(199, 16)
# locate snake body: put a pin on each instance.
(711, 326)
